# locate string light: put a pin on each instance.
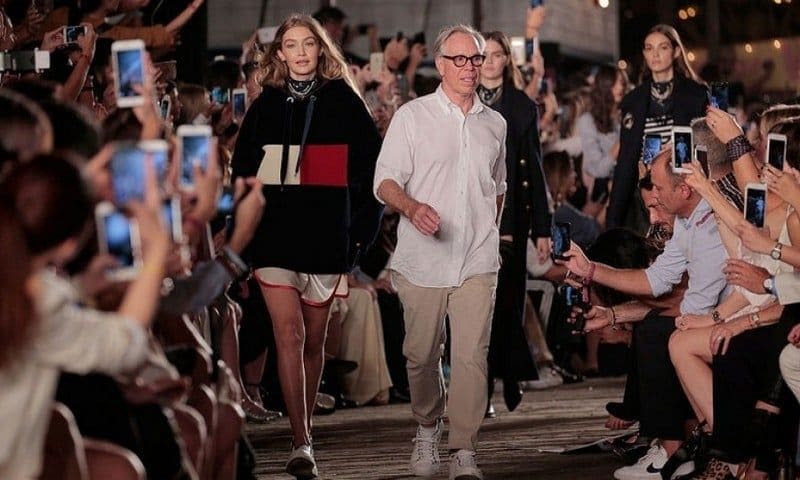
(682, 14)
(603, 3)
(622, 65)
(691, 12)
(748, 48)
(777, 44)
(690, 56)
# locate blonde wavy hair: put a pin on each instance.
(331, 65)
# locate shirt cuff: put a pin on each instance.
(656, 285)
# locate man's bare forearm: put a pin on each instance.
(394, 196)
(632, 282)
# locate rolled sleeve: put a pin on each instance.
(395, 161)
(667, 270)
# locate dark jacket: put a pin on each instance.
(526, 207)
(312, 228)
(689, 101)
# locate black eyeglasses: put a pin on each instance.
(461, 60)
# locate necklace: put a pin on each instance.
(489, 95)
(300, 88)
(661, 91)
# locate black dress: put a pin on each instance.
(525, 215)
(324, 225)
(687, 102)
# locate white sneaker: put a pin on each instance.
(301, 463)
(650, 466)
(548, 378)
(425, 456)
(464, 467)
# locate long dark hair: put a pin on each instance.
(602, 101)
(681, 64)
(510, 71)
(43, 203)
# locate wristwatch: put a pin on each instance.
(769, 285)
(776, 251)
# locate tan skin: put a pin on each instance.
(300, 328)
(660, 56)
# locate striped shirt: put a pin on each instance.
(659, 125)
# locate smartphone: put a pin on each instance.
(220, 96)
(128, 168)
(600, 190)
(776, 150)
(755, 203)
(128, 59)
(164, 107)
(652, 145)
(25, 61)
(119, 237)
(518, 50)
(531, 45)
(536, 3)
(225, 206)
(376, 62)
(72, 32)
(239, 102)
(718, 95)
(681, 148)
(573, 298)
(168, 70)
(561, 238)
(701, 155)
(194, 142)
(171, 214)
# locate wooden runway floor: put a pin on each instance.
(375, 442)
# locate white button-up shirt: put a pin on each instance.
(456, 164)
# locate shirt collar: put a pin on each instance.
(699, 213)
(447, 104)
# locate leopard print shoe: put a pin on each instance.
(715, 470)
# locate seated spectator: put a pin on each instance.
(560, 174)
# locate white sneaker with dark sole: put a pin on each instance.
(464, 467)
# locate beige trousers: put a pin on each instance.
(362, 342)
(469, 308)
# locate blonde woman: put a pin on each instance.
(311, 141)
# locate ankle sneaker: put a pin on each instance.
(425, 456)
(464, 467)
(650, 465)
(301, 463)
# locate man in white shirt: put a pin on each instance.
(442, 166)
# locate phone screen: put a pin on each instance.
(171, 214)
(118, 238)
(719, 95)
(127, 173)
(777, 152)
(164, 107)
(220, 96)
(73, 32)
(225, 204)
(683, 148)
(238, 104)
(560, 236)
(131, 71)
(652, 145)
(756, 206)
(194, 151)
